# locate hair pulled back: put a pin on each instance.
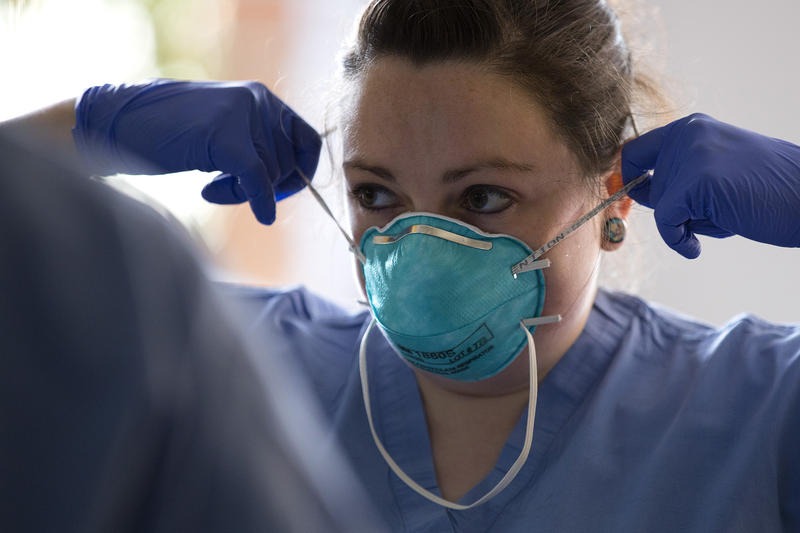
(568, 54)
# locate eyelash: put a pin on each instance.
(489, 190)
(357, 194)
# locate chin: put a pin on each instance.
(512, 379)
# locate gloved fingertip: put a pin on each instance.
(680, 239)
(689, 249)
(208, 194)
(223, 190)
(264, 218)
(263, 208)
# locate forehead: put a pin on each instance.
(446, 109)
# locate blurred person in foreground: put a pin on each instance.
(128, 400)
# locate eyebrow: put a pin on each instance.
(451, 176)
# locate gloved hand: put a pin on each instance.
(711, 178)
(238, 128)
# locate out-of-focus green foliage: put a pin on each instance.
(190, 36)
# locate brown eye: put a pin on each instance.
(486, 199)
(372, 197)
(367, 197)
(477, 199)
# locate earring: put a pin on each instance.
(615, 230)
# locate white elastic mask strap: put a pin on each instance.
(541, 320)
(512, 472)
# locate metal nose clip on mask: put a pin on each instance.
(458, 302)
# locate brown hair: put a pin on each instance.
(569, 54)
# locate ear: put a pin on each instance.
(619, 209)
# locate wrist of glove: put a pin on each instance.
(711, 178)
(238, 128)
(97, 113)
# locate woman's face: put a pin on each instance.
(453, 139)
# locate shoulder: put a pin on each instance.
(297, 325)
(737, 384)
(745, 358)
(663, 330)
(295, 304)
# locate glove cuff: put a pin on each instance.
(94, 134)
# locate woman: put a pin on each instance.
(498, 125)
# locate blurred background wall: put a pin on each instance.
(733, 60)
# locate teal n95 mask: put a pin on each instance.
(457, 302)
(444, 295)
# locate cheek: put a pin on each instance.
(358, 225)
(360, 277)
(575, 263)
(357, 228)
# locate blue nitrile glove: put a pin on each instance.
(238, 128)
(711, 178)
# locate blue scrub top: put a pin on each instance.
(649, 423)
